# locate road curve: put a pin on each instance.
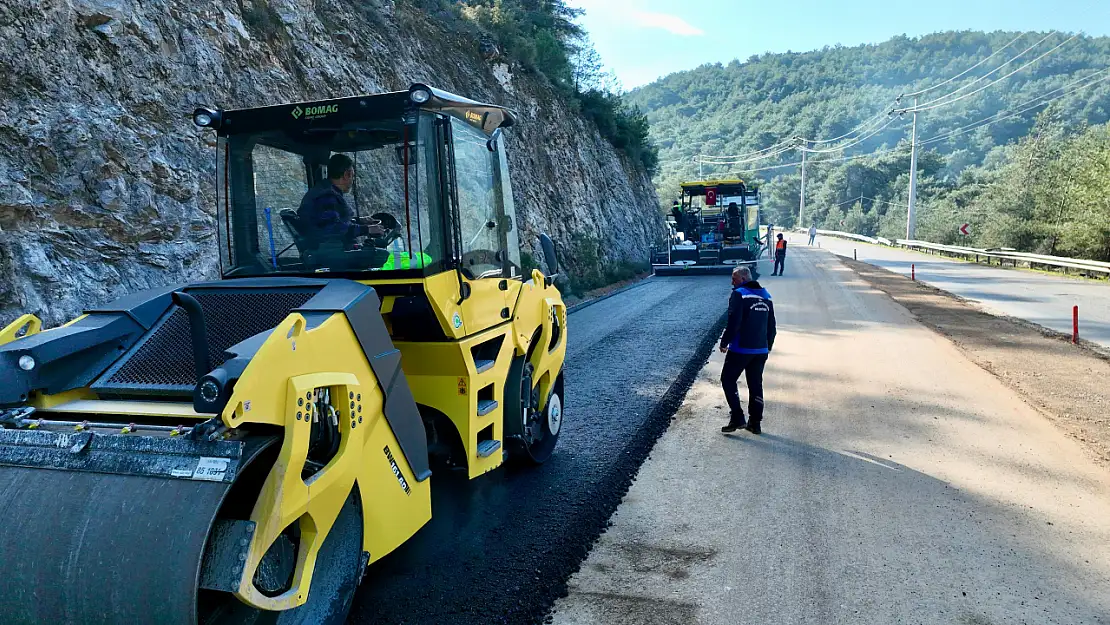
(500, 549)
(1045, 300)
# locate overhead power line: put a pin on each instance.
(936, 104)
(721, 160)
(961, 74)
(985, 76)
(871, 121)
(856, 141)
(937, 86)
(873, 125)
(1021, 109)
(827, 160)
(1024, 107)
(864, 197)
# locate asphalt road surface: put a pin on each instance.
(500, 549)
(896, 483)
(1046, 300)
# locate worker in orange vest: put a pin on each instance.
(780, 256)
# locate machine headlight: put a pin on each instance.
(420, 96)
(210, 391)
(206, 118)
(26, 362)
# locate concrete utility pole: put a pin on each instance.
(911, 214)
(701, 176)
(802, 195)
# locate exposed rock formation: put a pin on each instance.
(107, 188)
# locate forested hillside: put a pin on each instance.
(1025, 160)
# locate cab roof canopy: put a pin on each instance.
(724, 188)
(336, 113)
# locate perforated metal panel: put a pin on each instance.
(163, 360)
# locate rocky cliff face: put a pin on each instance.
(106, 187)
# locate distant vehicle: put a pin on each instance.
(714, 227)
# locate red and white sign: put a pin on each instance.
(711, 197)
(963, 229)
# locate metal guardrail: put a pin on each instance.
(979, 254)
(1015, 257)
(848, 235)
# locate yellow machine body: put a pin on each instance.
(308, 392)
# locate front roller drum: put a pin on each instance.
(85, 548)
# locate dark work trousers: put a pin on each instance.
(780, 262)
(752, 366)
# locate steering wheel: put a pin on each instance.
(392, 229)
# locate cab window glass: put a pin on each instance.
(476, 173)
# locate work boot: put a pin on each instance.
(754, 428)
(734, 424)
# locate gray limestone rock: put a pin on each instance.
(107, 188)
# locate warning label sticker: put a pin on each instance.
(462, 386)
(211, 469)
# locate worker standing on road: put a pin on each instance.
(812, 234)
(780, 256)
(748, 339)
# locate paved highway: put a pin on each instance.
(1046, 300)
(896, 483)
(500, 549)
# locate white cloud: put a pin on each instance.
(670, 23)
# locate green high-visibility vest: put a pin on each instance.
(407, 262)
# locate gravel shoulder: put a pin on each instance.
(1068, 384)
(1041, 298)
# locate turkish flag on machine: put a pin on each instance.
(711, 197)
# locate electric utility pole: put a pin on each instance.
(911, 214)
(802, 194)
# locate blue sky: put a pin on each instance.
(642, 40)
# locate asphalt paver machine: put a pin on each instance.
(713, 227)
(240, 451)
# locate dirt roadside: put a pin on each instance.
(1069, 384)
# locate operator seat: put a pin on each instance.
(329, 253)
(305, 243)
(734, 228)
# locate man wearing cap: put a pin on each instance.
(748, 339)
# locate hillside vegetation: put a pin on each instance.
(543, 38)
(1036, 180)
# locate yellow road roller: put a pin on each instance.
(240, 451)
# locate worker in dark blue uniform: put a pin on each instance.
(326, 212)
(748, 339)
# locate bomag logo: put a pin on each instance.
(315, 112)
(473, 117)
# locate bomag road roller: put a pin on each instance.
(240, 451)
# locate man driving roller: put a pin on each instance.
(325, 210)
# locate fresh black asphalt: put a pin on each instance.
(500, 549)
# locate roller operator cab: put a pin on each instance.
(240, 451)
(715, 226)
